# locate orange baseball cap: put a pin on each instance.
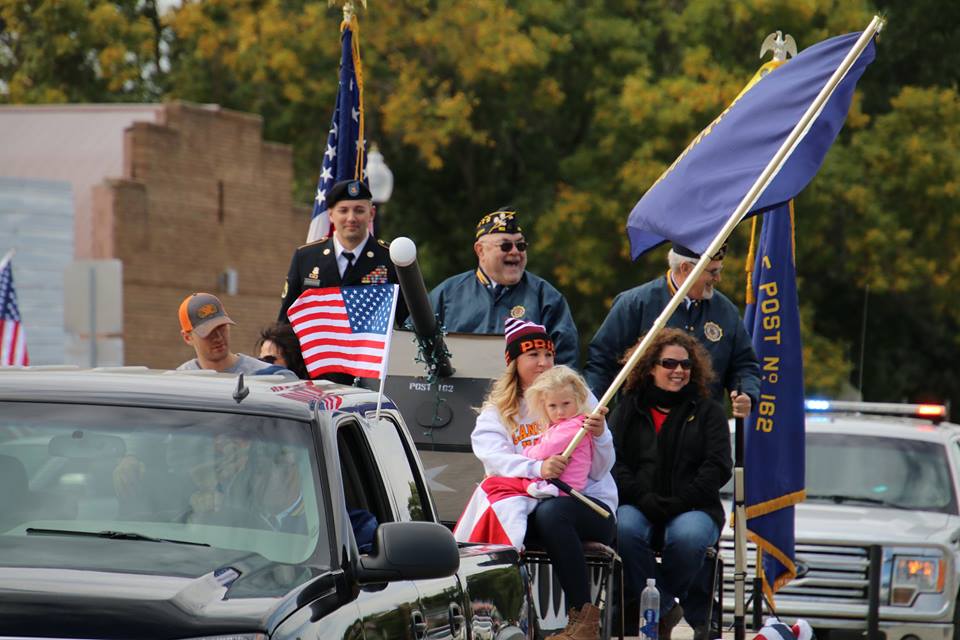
(201, 313)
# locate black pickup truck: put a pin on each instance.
(148, 504)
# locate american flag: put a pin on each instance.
(344, 158)
(497, 512)
(13, 345)
(345, 329)
(309, 393)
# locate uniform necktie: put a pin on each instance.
(349, 256)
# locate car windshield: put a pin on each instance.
(892, 472)
(229, 481)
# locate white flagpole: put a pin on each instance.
(7, 258)
(769, 173)
(386, 353)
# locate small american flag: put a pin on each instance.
(345, 329)
(13, 344)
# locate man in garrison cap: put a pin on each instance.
(715, 321)
(350, 257)
(481, 300)
(706, 314)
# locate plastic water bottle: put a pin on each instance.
(650, 611)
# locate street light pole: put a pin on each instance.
(380, 179)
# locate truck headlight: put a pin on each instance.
(913, 575)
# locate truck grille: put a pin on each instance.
(833, 573)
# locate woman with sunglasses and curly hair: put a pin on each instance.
(672, 448)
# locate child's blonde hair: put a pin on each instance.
(551, 381)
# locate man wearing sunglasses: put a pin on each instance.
(480, 300)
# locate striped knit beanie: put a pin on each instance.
(523, 336)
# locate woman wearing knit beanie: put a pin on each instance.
(505, 427)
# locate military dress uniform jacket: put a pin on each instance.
(314, 265)
(715, 323)
(465, 304)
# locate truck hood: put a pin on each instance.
(816, 522)
(96, 588)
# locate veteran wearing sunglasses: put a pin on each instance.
(480, 301)
(705, 314)
(672, 450)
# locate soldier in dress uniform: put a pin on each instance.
(350, 257)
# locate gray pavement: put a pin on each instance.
(683, 631)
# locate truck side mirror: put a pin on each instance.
(410, 551)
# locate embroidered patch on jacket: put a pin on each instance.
(712, 331)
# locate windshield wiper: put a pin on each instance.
(841, 499)
(112, 535)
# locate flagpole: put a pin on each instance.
(7, 258)
(739, 536)
(767, 176)
(386, 350)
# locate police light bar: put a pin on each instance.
(934, 412)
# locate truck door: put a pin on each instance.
(442, 600)
(390, 610)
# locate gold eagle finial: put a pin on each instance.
(348, 7)
(780, 46)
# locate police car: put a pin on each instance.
(877, 537)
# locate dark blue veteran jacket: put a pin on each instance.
(465, 304)
(715, 323)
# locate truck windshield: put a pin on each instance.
(895, 472)
(872, 470)
(231, 481)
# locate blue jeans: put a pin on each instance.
(682, 543)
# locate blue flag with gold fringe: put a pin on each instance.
(692, 200)
(774, 438)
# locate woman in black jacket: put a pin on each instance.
(673, 455)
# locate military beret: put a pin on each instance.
(681, 250)
(503, 220)
(348, 190)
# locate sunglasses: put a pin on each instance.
(673, 363)
(269, 359)
(507, 246)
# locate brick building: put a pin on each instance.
(181, 194)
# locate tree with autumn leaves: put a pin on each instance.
(569, 111)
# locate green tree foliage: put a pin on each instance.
(569, 111)
(277, 58)
(79, 51)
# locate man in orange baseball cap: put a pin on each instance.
(205, 326)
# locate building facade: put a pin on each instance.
(188, 197)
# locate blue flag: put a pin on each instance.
(692, 200)
(344, 157)
(774, 438)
